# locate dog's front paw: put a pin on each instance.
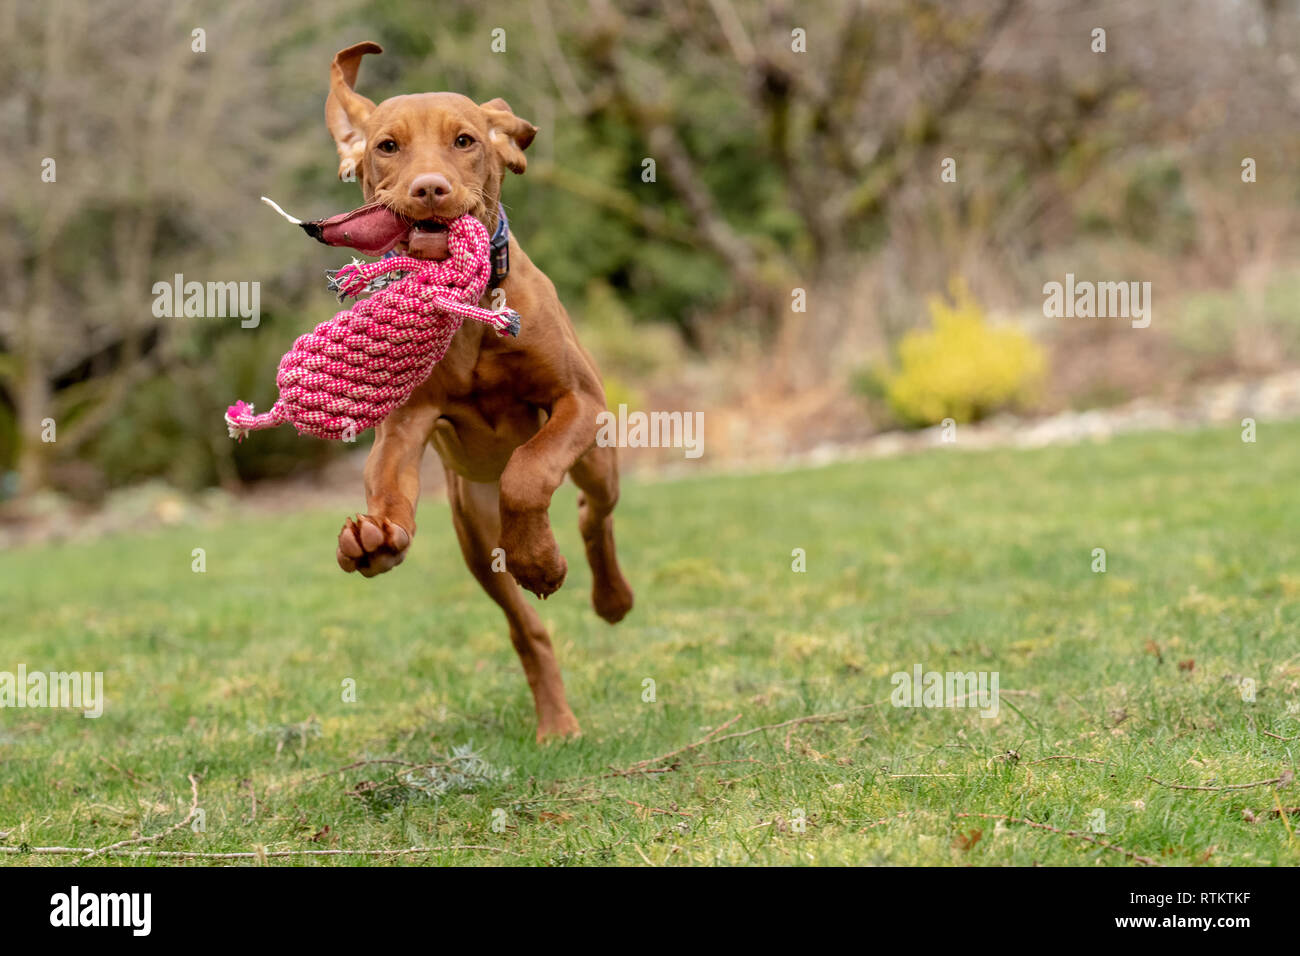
(371, 545)
(532, 555)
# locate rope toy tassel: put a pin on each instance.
(349, 373)
(240, 419)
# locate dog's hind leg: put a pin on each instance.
(596, 475)
(475, 511)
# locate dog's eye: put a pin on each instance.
(387, 146)
(464, 141)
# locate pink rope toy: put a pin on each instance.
(349, 373)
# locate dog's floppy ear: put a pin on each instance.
(509, 135)
(346, 110)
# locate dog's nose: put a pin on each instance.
(430, 187)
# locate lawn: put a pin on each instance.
(1116, 688)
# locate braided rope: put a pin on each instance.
(349, 373)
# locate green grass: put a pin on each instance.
(956, 561)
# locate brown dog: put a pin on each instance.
(509, 417)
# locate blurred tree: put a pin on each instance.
(130, 141)
(140, 140)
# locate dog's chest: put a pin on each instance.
(483, 417)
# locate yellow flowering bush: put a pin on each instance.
(962, 368)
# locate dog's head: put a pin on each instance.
(426, 156)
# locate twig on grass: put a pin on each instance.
(838, 716)
(121, 847)
(244, 855)
(1067, 757)
(649, 765)
(1283, 780)
(194, 808)
(895, 775)
(1114, 847)
(126, 773)
(667, 813)
(636, 767)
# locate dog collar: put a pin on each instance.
(500, 251)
